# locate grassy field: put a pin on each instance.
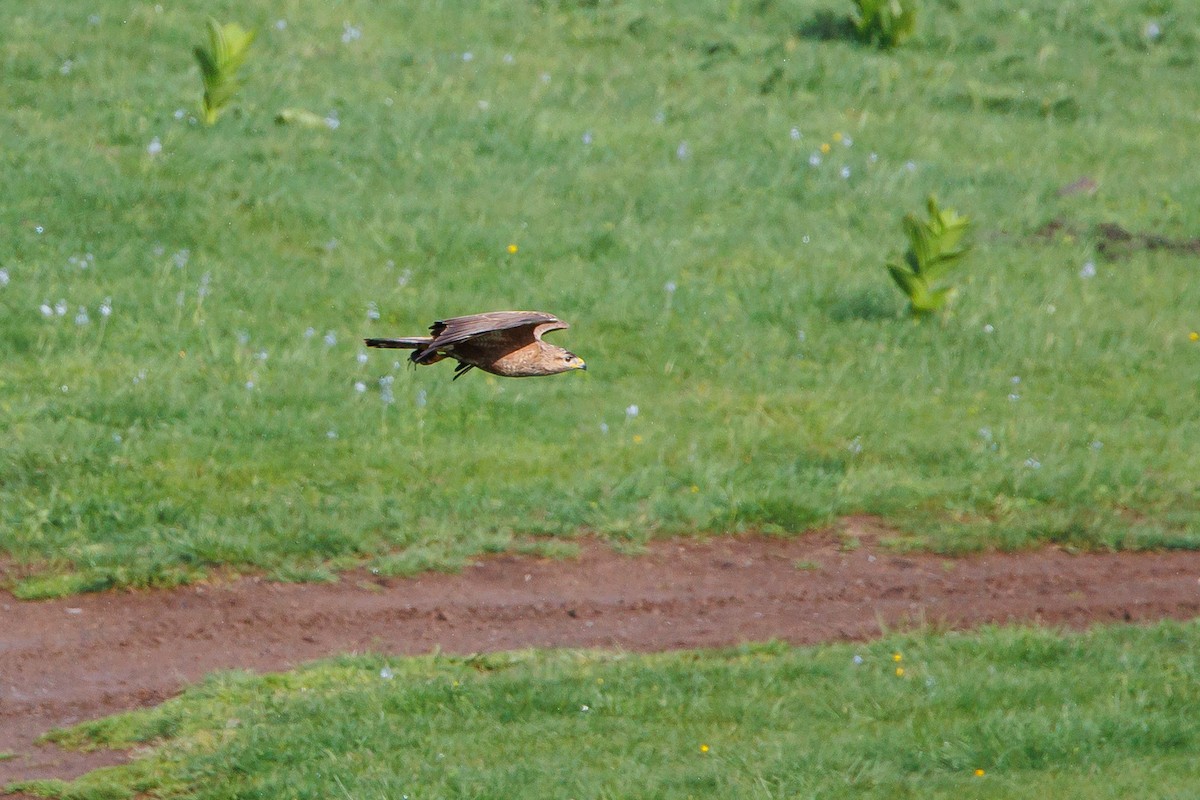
(181, 306)
(1113, 713)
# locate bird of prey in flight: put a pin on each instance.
(506, 343)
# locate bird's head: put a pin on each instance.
(571, 361)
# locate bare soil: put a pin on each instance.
(65, 661)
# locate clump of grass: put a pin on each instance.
(228, 46)
(884, 23)
(934, 248)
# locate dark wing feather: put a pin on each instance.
(460, 329)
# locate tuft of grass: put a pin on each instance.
(996, 713)
(641, 155)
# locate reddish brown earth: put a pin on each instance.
(83, 657)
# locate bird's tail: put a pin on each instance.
(413, 343)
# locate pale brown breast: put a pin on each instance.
(525, 362)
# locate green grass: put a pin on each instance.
(779, 385)
(1108, 714)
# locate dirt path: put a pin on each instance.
(83, 657)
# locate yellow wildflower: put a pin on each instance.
(825, 147)
(703, 748)
(899, 672)
(512, 249)
(979, 773)
(1194, 336)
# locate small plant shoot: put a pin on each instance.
(228, 46)
(885, 23)
(934, 248)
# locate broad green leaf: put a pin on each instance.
(919, 240)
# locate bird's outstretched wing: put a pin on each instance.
(460, 329)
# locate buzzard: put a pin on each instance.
(507, 343)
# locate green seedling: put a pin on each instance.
(934, 248)
(228, 46)
(885, 23)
